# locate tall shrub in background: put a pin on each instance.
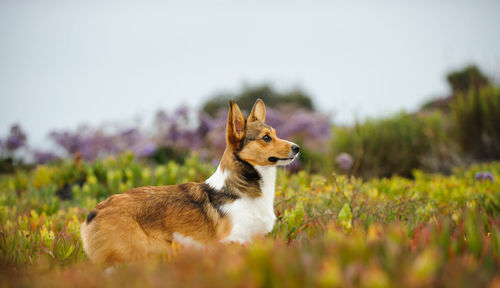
(476, 115)
(463, 80)
(443, 153)
(396, 145)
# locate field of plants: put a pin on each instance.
(332, 230)
(345, 217)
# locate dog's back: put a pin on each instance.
(145, 220)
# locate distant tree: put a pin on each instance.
(460, 81)
(9, 146)
(246, 98)
(466, 79)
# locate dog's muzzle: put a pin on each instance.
(295, 151)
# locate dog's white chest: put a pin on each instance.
(250, 217)
(253, 217)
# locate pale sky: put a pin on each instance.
(64, 63)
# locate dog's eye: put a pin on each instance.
(266, 138)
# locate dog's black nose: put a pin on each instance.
(295, 149)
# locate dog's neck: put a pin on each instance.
(241, 179)
(268, 183)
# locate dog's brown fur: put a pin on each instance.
(129, 226)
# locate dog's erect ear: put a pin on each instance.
(258, 112)
(236, 126)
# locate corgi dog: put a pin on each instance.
(234, 205)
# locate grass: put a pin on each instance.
(331, 231)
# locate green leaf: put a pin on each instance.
(345, 217)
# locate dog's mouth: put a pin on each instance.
(276, 159)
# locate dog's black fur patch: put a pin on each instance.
(219, 198)
(91, 216)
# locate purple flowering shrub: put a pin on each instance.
(14, 151)
(182, 132)
(344, 161)
(44, 157)
(10, 146)
(480, 176)
(173, 136)
(16, 138)
(94, 143)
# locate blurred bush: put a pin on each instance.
(246, 98)
(460, 81)
(449, 131)
(15, 141)
(395, 145)
(476, 115)
(471, 77)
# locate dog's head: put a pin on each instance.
(256, 142)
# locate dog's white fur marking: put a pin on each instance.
(109, 271)
(218, 179)
(251, 217)
(186, 241)
(285, 162)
